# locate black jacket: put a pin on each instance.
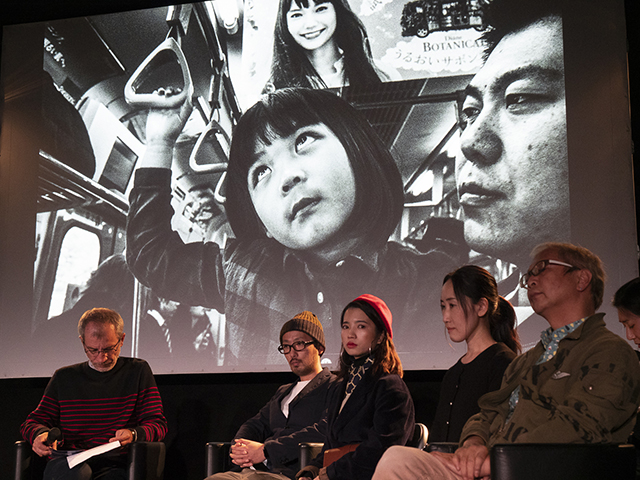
(378, 414)
(272, 428)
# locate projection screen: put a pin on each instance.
(556, 166)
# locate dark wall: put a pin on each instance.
(199, 408)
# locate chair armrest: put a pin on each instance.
(217, 457)
(443, 447)
(28, 464)
(554, 461)
(420, 437)
(146, 460)
(309, 451)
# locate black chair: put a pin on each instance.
(308, 451)
(443, 447)
(553, 461)
(217, 457)
(556, 461)
(420, 437)
(146, 461)
(217, 453)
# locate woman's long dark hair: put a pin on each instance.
(472, 283)
(291, 66)
(385, 357)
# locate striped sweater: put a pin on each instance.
(89, 406)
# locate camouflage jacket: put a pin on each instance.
(587, 393)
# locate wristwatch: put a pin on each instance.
(135, 434)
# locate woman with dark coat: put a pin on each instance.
(370, 407)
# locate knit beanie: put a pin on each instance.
(382, 309)
(305, 322)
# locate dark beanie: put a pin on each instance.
(305, 322)
(382, 309)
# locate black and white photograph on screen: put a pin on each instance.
(215, 168)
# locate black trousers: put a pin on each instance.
(101, 467)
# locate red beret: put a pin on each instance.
(381, 308)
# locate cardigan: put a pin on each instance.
(463, 385)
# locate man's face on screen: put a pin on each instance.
(512, 174)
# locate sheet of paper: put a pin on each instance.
(78, 458)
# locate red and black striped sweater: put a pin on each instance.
(89, 406)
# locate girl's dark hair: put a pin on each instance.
(472, 283)
(628, 296)
(385, 357)
(379, 192)
(290, 65)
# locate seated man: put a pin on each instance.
(265, 445)
(579, 384)
(106, 399)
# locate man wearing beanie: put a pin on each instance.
(263, 447)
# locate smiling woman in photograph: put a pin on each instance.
(322, 44)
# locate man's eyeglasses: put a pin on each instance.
(98, 351)
(539, 267)
(297, 346)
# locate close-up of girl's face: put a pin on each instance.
(458, 324)
(312, 26)
(303, 188)
(359, 333)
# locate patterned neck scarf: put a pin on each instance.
(550, 339)
(356, 373)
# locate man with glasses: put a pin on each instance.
(106, 399)
(265, 445)
(512, 170)
(579, 384)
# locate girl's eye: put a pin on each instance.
(322, 7)
(258, 173)
(303, 141)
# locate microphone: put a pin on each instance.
(53, 435)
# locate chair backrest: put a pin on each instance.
(553, 461)
(309, 451)
(420, 437)
(217, 457)
(146, 460)
(29, 466)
